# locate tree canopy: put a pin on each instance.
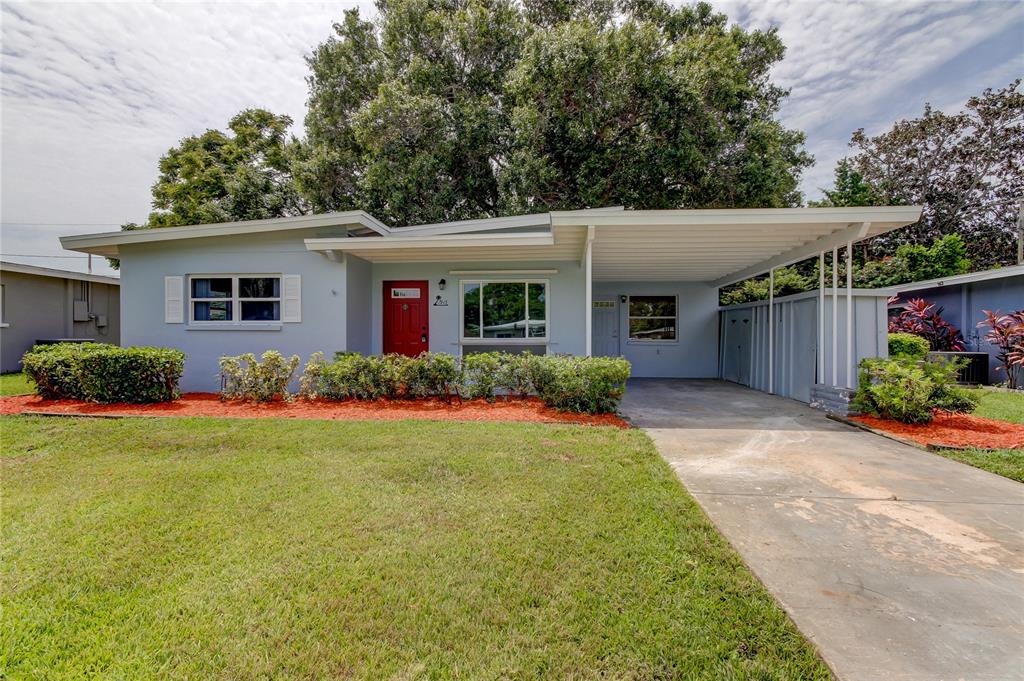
(455, 109)
(965, 169)
(243, 174)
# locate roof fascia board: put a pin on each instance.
(998, 273)
(813, 293)
(853, 232)
(441, 241)
(84, 242)
(57, 274)
(481, 225)
(904, 215)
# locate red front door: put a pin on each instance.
(406, 317)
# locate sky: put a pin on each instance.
(91, 95)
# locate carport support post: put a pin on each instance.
(821, 317)
(849, 314)
(588, 268)
(835, 313)
(771, 331)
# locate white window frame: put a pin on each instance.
(528, 340)
(651, 341)
(235, 300)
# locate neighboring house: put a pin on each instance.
(39, 303)
(965, 297)
(640, 284)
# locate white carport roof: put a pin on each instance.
(720, 246)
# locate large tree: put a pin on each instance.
(242, 174)
(966, 169)
(453, 109)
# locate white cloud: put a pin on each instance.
(867, 64)
(93, 94)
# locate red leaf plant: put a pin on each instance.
(1006, 332)
(922, 318)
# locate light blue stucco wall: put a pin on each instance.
(963, 307)
(695, 352)
(358, 317)
(144, 266)
(566, 300)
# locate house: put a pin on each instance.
(642, 284)
(39, 303)
(964, 299)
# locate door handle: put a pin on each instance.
(423, 338)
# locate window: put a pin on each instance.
(222, 298)
(652, 318)
(504, 310)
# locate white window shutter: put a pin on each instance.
(291, 298)
(174, 308)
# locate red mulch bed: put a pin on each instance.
(954, 430)
(210, 404)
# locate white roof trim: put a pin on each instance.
(106, 243)
(999, 273)
(57, 274)
(738, 216)
(440, 241)
(481, 225)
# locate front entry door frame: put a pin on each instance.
(605, 321)
(406, 317)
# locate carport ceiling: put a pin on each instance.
(721, 246)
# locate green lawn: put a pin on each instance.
(1002, 406)
(237, 549)
(15, 384)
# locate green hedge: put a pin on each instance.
(908, 345)
(104, 373)
(592, 385)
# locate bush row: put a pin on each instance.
(910, 389)
(104, 373)
(592, 385)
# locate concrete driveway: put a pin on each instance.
(897, 563)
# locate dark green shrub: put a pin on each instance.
(432, 374)
(907, 345)
(480, 373)
(909, 390)
(243, 377)
(514, 374)
(354, 376)
(592, 385)
(105, 373)
(54, 369)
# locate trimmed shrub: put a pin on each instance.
(592, 385)
(480, 375)
(353, 376)
(909, 390)
(432, 374)
(104, 373)
(243, 377)
(907, 345)
(515, 373)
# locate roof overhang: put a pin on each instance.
(109, 243)
(530, 246)
(722, 246)
(57, 274)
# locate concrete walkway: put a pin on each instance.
(896, 563)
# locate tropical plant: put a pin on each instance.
(921, 318)
(910, 390)
(1006, 332)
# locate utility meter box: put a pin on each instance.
(81, 310)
